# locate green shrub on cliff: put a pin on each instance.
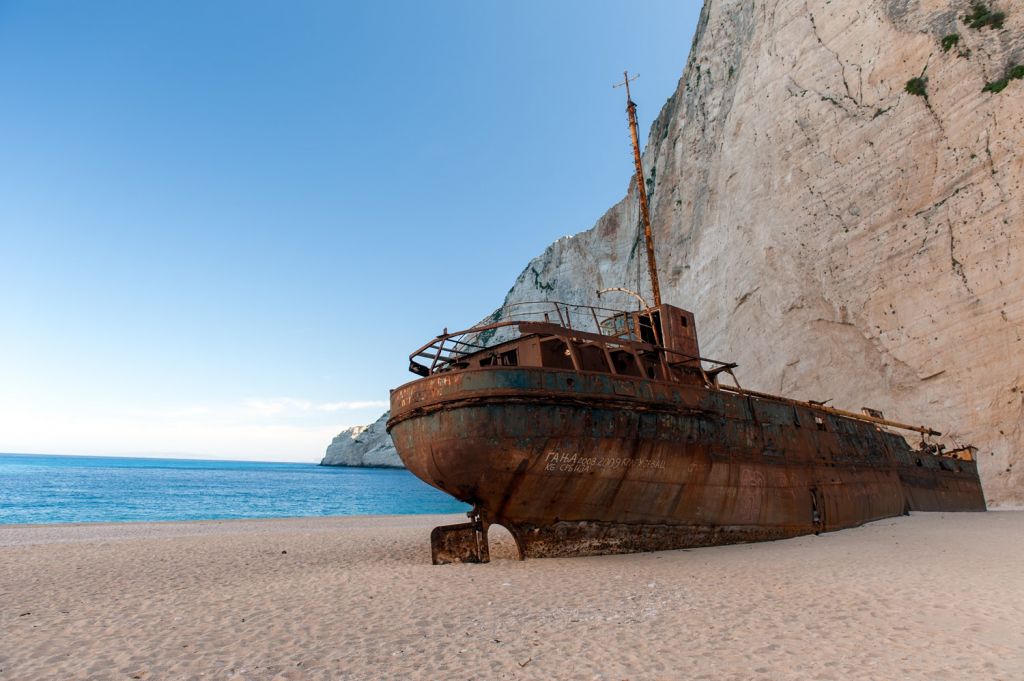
(996, 86)
(917, 86)
(981, 16)
(1013, 73)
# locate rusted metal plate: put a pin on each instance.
(574, 467)
(461, 543)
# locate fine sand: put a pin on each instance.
(931, 596)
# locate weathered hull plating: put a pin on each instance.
(577, 463)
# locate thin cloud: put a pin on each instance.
(345, 406)
(288, 405)
(265, 429)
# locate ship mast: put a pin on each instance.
(641, 188)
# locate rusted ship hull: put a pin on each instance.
(578, 463)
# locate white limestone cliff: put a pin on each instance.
(368, 446)
(837, 236)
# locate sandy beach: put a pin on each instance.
(931, 596)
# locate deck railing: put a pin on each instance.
(449, 347)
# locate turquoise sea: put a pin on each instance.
(72, 489)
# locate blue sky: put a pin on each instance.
(224, 225)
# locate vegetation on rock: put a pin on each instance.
(541, 285)
(981, 15)
(917, 86)
(1015, 72)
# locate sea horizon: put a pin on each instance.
(70, 488)
(167, 456)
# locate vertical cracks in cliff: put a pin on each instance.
(842, 65)
(992, 166)
(828, 208)
(958, 267)
(927, 102)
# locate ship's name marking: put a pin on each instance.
(566, 462)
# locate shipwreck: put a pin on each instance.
(587, 430)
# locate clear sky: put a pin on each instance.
(224, 225)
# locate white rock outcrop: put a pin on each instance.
(368, 446)
(836, 235)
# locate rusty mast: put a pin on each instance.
(641, 188)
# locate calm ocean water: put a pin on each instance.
(65, 489)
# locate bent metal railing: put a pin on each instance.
(444, 352)
(507, 323)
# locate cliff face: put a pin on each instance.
(836, 235)
(363, 446)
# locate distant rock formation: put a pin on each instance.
(837, 192)
(368, 446)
